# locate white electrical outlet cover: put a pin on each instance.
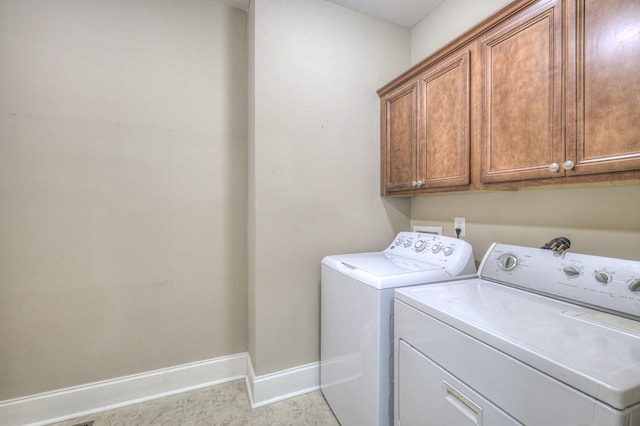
(436, 230)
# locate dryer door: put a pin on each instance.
(428, 395)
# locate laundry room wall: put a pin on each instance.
(450, 19)
(599, 219)
(122, 188)
(314, 150)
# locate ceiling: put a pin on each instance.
(405, 13)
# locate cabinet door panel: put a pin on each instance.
(400, 139)
(521, 117)
(444, 154)
(605, 56)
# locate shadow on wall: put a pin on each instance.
(598, 220)
(398, 210)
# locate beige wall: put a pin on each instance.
(449, 20)
(123, 180)
(600, 220)
(122, 188)
(314, 146)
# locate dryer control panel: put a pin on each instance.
(600, 282)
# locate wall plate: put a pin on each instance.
(436, 230)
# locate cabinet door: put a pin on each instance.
(521, 105)
(604, 86)
(444, 130)
(399, 129)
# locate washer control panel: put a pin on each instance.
(430, 248)
(602, 282)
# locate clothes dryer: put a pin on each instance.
(539, 338)
(356, 363)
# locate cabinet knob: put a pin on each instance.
(554, 167)
(417, 183)
(568, 165)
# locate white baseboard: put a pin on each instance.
(83, 400)
(282, 385)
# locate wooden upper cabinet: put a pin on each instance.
(542, 92)
(399, 129)
(521, 96)
(603, 86)
(444, 131)
(425, 129)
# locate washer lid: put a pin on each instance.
(594, 352)
(383, 270)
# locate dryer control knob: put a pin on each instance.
(407, 243)
(602, 277)
(436, 248)
(420, 245)
(571, 271)
(634, 284)
(447, 251)
(508, 262)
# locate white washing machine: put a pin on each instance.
(356, 362)
(539, 338)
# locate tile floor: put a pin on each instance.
(224, 404)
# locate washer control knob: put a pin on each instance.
(602, 277)
(507, 262)
(571, 271)
(398, 241)
(407, 243)
(420, 245)
(436, 248)
(447, 251)
(634, 284)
